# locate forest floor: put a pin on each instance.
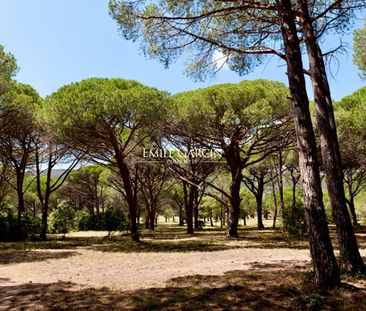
(262, 270)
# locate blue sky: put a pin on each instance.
(61, 41)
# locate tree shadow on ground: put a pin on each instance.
(263, 287)
(33, 256)
(127, 246)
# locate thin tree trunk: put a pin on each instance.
(188, 204)
(351, 205)
(196, 212)
(152, 217)
(349, 253)
(280, 186)
(275, 204)
(325, 265)
(44, 227)
(147, 220)
(181, 218)
(259, 202)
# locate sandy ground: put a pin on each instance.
(131, 271)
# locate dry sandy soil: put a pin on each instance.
(131, 271)
(84, 267)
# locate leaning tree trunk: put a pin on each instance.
(351, 204)
(349, 253)
(274, 203)
(325, 265)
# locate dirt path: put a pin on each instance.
(131, 271)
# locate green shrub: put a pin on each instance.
(32, 226)
(85, 221)
(8, 223)
(293, 216)
(62, 219)
(114, 219)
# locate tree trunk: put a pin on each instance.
(325, 266)
(275, 204)
(130, 198)
(280, 186)
(349, 253)
(196, 212)
(259, 202)
(351, 205)
(234, 163)
(21, 208)
(181, 218)
(188, 204)
(221, 217)
(44, 227)
(152, 217)
(147, 220)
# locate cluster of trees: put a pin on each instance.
(244, 33)
(263, 130)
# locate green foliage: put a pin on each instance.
(85, 221)
(114, 219)
(32, 226)
(62, 219)
(97, 114)
(8, 68)
(359, 47)
(248, 105)
(8, 223)
(293, 216)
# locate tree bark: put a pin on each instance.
(44, 227)
(21, 208)
(259, 202)
(352, 209)
(280, 186)
(130, 197)
(275, 204)
(188, 204)
(350, 257)
(234, 163)
(325, 265)
(181, 218)
(195, 204)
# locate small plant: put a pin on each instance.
(63, 219)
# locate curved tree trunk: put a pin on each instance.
(325, 266)
(349, 253)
